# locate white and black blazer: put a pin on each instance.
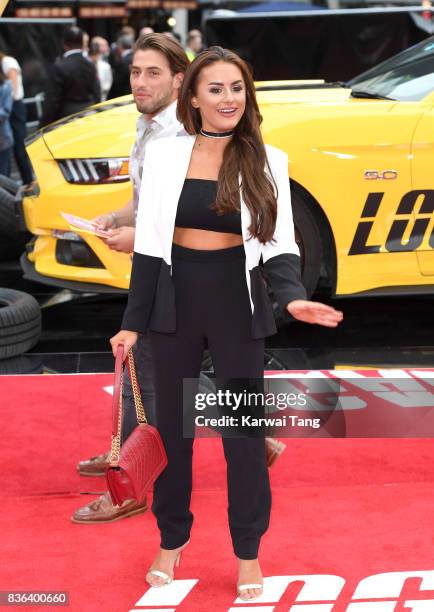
(151, 300)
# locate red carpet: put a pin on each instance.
(352, 519)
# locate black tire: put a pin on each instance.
(20, 323)
(12, 242)
(308, 238)
(9, 184)
(8, 223)
(12, 246)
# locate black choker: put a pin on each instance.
(216, 134)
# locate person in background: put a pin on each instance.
(194, 44)
(85, 44)
(12, 71)
(128, 31)
(121, 67)
(146, 30)
(103, 68)
(6, 136)
(73, 83)
(104, 47)
(113, 55)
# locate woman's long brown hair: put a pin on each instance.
(244, 155)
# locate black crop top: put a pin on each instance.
(194, 208)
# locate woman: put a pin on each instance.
(12, 70)
(6, 137)
(212, 204)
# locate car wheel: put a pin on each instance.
(20, 322)
(308, 238)
(12, 241)
(7, 212)
(11, 247)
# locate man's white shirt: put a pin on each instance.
(161, 126)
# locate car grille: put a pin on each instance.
(93, 171)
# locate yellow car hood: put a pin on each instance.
(310, 95)
(103, 130)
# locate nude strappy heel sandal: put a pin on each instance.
(167, 579)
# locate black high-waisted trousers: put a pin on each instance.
(213, 307)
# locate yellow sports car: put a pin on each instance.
(361, 164)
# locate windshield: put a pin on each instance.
(406, 76)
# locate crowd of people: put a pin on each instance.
(13, 119)
(88, 72)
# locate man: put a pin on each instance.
(158, 66)
(86, 39)
(73, 83)
(103, 68)
(194, 44)
(104, 47)
(121, 67)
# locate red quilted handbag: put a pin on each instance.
(134, 467)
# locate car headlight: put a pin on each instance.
(94, 171)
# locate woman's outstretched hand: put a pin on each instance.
(314, 312)
(127, 338)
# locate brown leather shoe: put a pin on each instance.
(101, 510)
(95, 466)
(274, 449)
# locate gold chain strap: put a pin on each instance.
(115, 450)
(140, 411)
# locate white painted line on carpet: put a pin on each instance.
(251, 608)
(377, 606)
(153, 610)
(312, 608)
(171, 595)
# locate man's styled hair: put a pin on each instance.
(73, 38)
(169, 47)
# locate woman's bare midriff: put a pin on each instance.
(205, 240)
